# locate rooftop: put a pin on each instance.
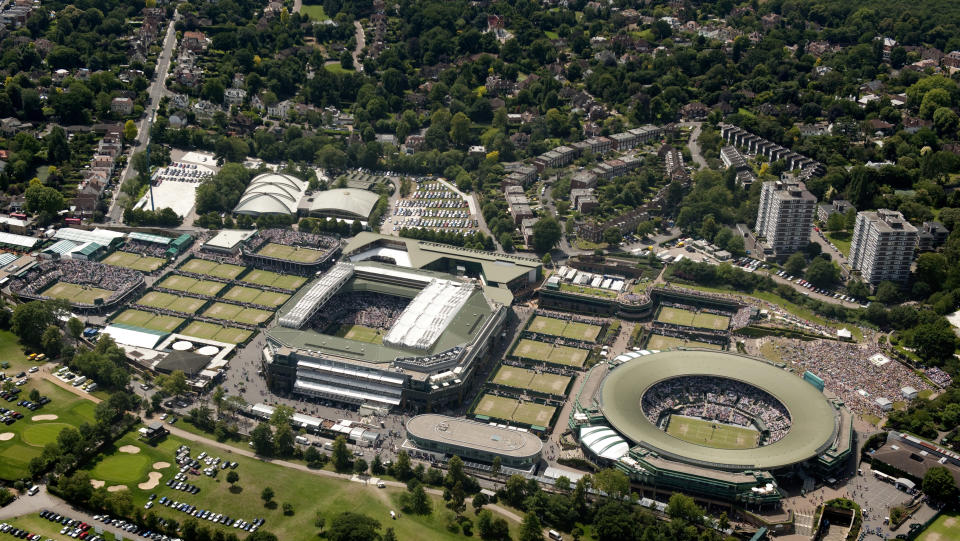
(359, 203)
(228, 239)
(467, 433)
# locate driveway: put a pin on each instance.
(694, 145)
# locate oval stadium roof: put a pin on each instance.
(814, 422)
(271, 193)
(342, 202)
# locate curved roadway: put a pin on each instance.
(813, 419)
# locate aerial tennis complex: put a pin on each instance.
(718, 425)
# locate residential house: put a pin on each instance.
(234, 96)
(121, 106)
(195, 42)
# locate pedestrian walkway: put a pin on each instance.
(803, 522)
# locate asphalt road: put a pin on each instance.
(694, 145)
(157, 89)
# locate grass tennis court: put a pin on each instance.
(511, 409)
(220, 333)
(233, 312)
(522, 378)
(299, 254)
(567, 329)
(146, 320)
(661, 342)
(176, 282)
(159, 299)
(267, 278)
(76, 293)
(945, 528)
(212, 268)
(360, 333)
(711, 434)
(255, 296)
(133, 261)
(541, 351)
(679, 316)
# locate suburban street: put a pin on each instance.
(157, 90)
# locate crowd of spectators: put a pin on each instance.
(556, 340)
(145, 249)
(289, 237)
(938, 376)
(79, 272)
(847, 372)
(576, 318)
(711, 336)
(373, 310)
(717, 399)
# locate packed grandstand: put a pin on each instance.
(37, 280)
(717, 399)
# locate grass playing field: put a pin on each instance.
(541, 351)
(309, 493)
(360, 333)
(30, 436)
(139, 318)
(267, 278)
(192, 285)
(159, 299)
(522, 378)
(945, 528)
(661, 342)
(220, 333)
(133, 261)
(711, 434)
(212, 268)
(75, 293)
(679, 316)
(511, 409)
(255, 296)
(232, 312)
(299, 254)
(567, 329)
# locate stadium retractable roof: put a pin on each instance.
(814, 421)
(320, 292)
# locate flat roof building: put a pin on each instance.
(785, 217)
(883, 246)
(474, 441)
(340, 203)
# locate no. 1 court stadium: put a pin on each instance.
(813, 419)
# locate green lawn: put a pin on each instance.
(510, 409)
(267, 278)
(947, 526)
(299, 254)
(523, 378)
(308, 493)
(255, 296)
(660, 342)
(76, 293)
(43, 527)
(541, 351)
(29, 435)
(233, 312)
(360, 333)
(335, 67)
(551, 35)
(220, 333)
(212, 268)
(841, 239)
(159, 299)
(139, 318)
(711, 434)
(315, 12)
(567, 329)
(133, 261)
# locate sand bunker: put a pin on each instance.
(153, 479)
(44, 417)
(97, 483)
(160, 465)
(6, 436)
(130, 449)
(116, 488)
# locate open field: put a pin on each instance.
(192, 285)
(711, 434)
(360, 333)
(268, 278)
(300, 254)
(129, 260)
(75, 293)
(255, 296)
(212, 268)
(30, 436)
(159, 299)
(541, 351)
(139, 318)
(232, 312)
(945, 528)
(567, 329)
(314, 11)
(522, 378)
(511, 409)
(842, 240)
(308, 493)
(659, 341)
(711, 321)
(209, 331)
(679, 316)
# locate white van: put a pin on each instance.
(302, 440)
(554, 534)
(33, 490)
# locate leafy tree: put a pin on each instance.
(419, 501)
(233, 477)
(52, 341)
(350, 526)
(401, 468)
(940, 486)
(340, 454)
(546, 234)
(547, 259)
(858, 289)
(795, 264)
(645, 229)
(460, 129)
(287, 509)
(262, 438)
(682, 507)
(531, 529)
(31, 319)
(613, 482)
(58, 150)
(75, 328)
(43, 199)
(823, 273)
(218, 396)
(888, 292)
(359, 466)
(175, 384)
(934, 341)
(129, 131)
(836, 222)
(612, 236)
(267, 495)
(389, 535)
(506, 241)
